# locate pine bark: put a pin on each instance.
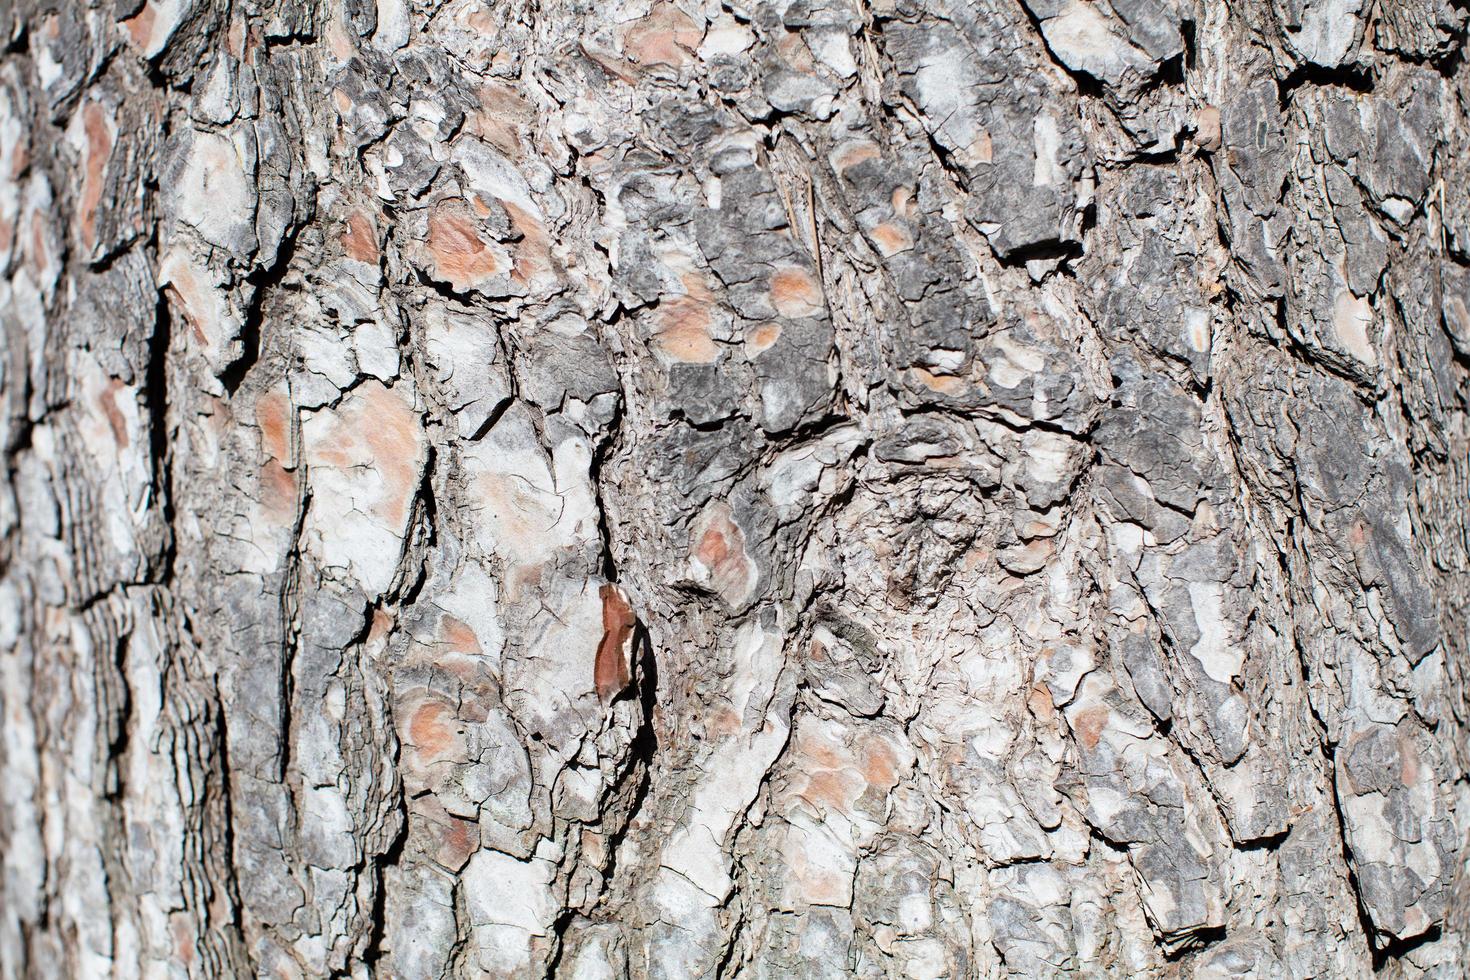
(661, 488)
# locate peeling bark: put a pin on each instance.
(671, 489)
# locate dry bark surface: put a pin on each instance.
(798, 488)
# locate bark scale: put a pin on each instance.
(882, 488)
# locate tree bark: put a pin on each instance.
(878, 488)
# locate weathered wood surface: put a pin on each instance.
(880, 488)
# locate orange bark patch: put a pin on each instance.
(1037, 529)
(815, 885)
(431, 730)
(40, 254)
(891, 238)
(140, 25)
(982, 150)
(667, 36)
(1089, 725)
(183, 933)
(277, 491)
(1207, 128)
(594, 847)
(504, 112)
(1358, 535)
(108, 402)
(761, 338)
(533, 252)
(684, 324)
(175, 292)
(183, 292)
(505, 100)
(481, 21)
(682, 330)
(272, 414)
(880, 764)
(337, 41)
(723, 722)
(458, 636)
(519, 512)
(1040, 702)
(820, 749)
(613, 667)
(450, 839)
(242, 42)
(794, 51)
(1199, 335)
(714, 547)
(1408, 761)
(851, 154)
(903, 202)
(461, 257)
(832, 788)
(830, 775)
(391, 429)
(379, 628)
(99, 147)
(717, 550)
(458, 839)
(374, 437)
(359, 240)
(794, 292)
(944, 384)
(611, 64)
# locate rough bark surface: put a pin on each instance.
(811, 488)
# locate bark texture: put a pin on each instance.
(807, 488)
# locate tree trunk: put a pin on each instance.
(879, 488)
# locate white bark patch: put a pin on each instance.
(509, 902)
(1327, 30)
(820, 866)
(1216, 651)
(1048, 455)
(1087, 40)
(364, 459)
(1197, 328)
(529, 507)
(1352, 316)
(111, 430)
(734, 771)
(1047, 172)
(393, 26)
(215, 193)
(726, 36)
